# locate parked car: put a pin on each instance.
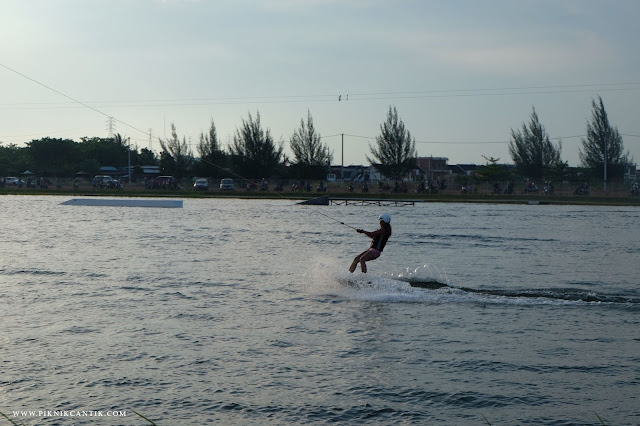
(226, 184)
(201, 184)
(164, 182)
(10, 180)
(101, 181)
(114, 184)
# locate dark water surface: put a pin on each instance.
(235, 312)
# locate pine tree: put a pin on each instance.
(176, 157)
(212, 156)
(603, 141)
(312, 157)
(395, 155)
(307, 146)
(531, 150)
(254, 150)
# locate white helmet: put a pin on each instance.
(385, 218)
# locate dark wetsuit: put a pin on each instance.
(381, 237)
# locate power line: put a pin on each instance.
(464, 142)
(508, 90)
(70, 98)
(365, 96)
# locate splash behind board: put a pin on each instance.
(361, 281)
(354, 281)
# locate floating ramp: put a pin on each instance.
(124, 202)
(320, 201)
(371, 202)
(326, 200)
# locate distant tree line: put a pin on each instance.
(536, 158)
(253, 152)
(65, 157)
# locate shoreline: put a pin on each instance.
(477, 198)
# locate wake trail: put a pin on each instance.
(428, 285)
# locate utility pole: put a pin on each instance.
(150, 138)
(129, 141)
(342, 168)
(110, 126)
(606, 140)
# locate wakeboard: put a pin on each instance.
(361, 281)
(430, 284)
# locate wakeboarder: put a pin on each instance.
(379, 240)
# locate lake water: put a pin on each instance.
(233, 312)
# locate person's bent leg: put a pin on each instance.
(355, 262)
(367, 256)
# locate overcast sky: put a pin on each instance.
(461, 73)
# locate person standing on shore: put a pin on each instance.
(379, 240)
